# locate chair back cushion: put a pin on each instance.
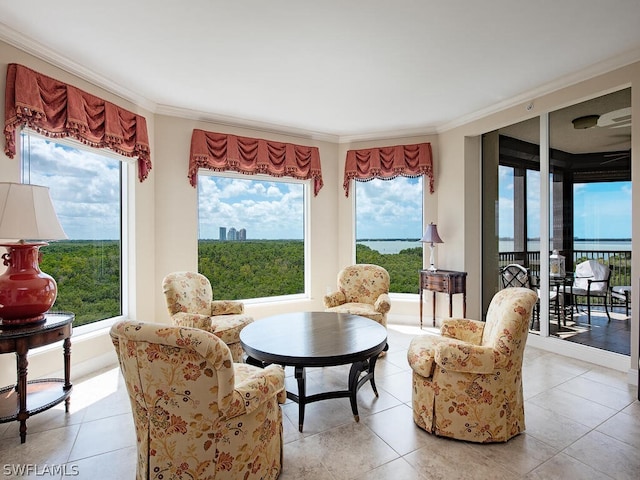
(363, 283)
(507, 323)
(591, 270)
(188, 292)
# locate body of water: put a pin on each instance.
(394, 246)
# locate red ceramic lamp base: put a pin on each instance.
(26, 293)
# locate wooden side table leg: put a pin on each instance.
(22, 363)
(464, 305)
(434, 308)
(66, 345)
(450, 305)
(421, 290)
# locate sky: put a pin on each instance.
(601, 210)
(266, 210)
(389, 208)
(84, 188)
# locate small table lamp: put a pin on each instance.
(28, 217)
(431, 236)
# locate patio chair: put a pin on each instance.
(515, 275)
(591, 281)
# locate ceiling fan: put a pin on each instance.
(614, 157)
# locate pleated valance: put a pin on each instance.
(387, 163)
(222, 152)
(58, 110)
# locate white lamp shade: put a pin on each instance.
(431, 234)
(27, 213)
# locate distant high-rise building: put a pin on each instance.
(242, 234)
(223, 233)
(232, 234)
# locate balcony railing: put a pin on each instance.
(618, 260)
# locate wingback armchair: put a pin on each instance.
(467, 382)
(189, 299)
(196, 413)
(363, 289)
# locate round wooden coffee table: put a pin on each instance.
(317, 339)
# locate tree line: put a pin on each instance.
(88, 273)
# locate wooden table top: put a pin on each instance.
(313, 339)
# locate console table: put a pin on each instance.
(26, 398)
(444, 281)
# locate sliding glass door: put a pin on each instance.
(580, 212)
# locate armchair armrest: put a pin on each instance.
(383, 303)
(226, 307)
(459, 356)
(256, 389)
(463, 329)
(193, 320)
(334, 299)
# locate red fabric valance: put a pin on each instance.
(58, 110)
(388, 162)
(221, 151)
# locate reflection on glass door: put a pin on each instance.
(590, 209)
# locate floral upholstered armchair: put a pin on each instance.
(467, 383)
(190, 302)
(363, 289)
(196, 413)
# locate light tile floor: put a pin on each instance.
(583, 422)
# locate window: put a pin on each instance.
(389, 228)
(86, 189)
(251, 241)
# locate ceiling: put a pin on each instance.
(345, 70)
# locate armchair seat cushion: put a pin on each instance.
(362, 309)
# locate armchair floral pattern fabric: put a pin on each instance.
(467, 382)
(363, 289)
(190, 302)
(198, 415)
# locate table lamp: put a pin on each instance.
(27, 219)
(431, 236)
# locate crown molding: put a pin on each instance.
(239, 122)
(30, 46)
(587, 73)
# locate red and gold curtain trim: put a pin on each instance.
(57, 110)
(223, 152)
(387, 163)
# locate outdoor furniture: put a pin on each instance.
(591, 281)
(190, 303)
(621, 293)
(196, 413)
(363, 289)
(467, 383)
(515, 275)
